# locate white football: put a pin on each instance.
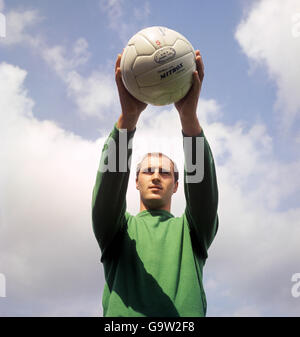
(157, 65)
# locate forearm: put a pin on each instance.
(202, 196)
(109, 193)
(187, 106)
(190, 125)
(127, 122)
(202, 193)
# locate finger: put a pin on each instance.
(200, 66)
(196, 84)
(123, 92)
(119, 78)
(118, 69)
(118, 62)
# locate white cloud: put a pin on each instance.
(16, 100)
(46, 184)
(95, 94)
(266, 37)
(142, 12)
(247, 311)
(62, 63)
(2, 5)
(256, 249)
(114, 10)
(48, 252)
(120, 20)
(92, 94)
(17, 25)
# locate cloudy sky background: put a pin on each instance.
(58, 102)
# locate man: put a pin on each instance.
(153, 261)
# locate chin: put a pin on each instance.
(154, 203)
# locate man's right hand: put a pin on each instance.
(131, 107)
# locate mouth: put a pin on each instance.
(155, 188)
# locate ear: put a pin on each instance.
(175, 187)
(137, 184)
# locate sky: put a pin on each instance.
(58, 103)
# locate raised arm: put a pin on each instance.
(200, 188)
(201, 193)
(131, 107)
(109, 193)
(187, 106)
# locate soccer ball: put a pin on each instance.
(157, 66)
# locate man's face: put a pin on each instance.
(156, 182)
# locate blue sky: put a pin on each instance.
(58, 102)
(222, 55)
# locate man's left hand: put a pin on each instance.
(187, 106)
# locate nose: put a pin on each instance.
(156, 176)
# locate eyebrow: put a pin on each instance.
(154, 167)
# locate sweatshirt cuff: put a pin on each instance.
(201, 134)
(116, 131)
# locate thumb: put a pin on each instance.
(196, 86)
(118, 76)
(119, 81)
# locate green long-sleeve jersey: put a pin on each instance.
(153, 261)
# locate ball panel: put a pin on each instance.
(164, 99)
(170, 37)
(155, 35)
(183, 91)
(160, 36)
(157, 65)
(170, 92)
(155, 96)
(142, 45)
(143, 64)
(183, 47)
(127, 60)
(166, 72)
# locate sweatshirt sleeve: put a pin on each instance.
(201, 192)
(109, 193)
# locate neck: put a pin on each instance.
(143, 207)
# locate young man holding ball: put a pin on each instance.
(153, 261)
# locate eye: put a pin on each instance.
(164, 172)
(147, 170)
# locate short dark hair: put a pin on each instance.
(160, 154)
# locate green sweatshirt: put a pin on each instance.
(153, 261)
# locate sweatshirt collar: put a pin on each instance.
(154, 213)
